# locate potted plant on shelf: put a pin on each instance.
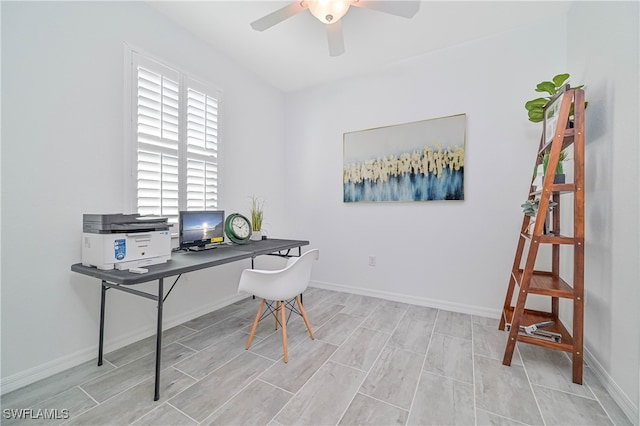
(559, 177)
(536, 106)
(530, 208)
(257, 215)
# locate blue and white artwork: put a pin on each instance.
(418, 161)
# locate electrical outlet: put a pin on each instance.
(372, 261)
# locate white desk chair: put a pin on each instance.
(282, 286)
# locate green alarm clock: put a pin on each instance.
(237, 228)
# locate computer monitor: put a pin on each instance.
(201, 228)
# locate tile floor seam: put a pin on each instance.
(189, 347)
(210, 372)
(114, 395)
(80, 414)
(535, 398)
(385, 402)
(350, 366)
(195, 351)
(273, 419)
(377, 357)
(449, 378)
(264, 356)
(168, 402)
(228, 400)
(473, 374)
(424, 361)
(366, 372)
(85, 392)
(193, 330)
(455, 337)
(599, 401)
(376, 329)
(566, 392)
(275, 386)
(364, 377)
(185, 373)
(306, 381)
(502, 417)
(310, 377)
(603, 406)
(145, 414)
(104, 358)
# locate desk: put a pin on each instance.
(179, 264)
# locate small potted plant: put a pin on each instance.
(536, 106)
(530, 208)
(257, 215)
(559, 177)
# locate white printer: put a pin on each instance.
(124, 241)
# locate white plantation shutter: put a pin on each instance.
(176, 141)
(202, 150)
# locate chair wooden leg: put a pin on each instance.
(283, 315)
(304, 317)
(255, 324)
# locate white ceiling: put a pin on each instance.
(293, 54)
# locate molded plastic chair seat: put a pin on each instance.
(282, 286)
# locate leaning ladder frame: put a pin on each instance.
(531, 281)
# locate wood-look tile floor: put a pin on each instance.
(373, 362)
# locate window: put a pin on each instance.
(174, 127)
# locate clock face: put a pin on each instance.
(238, 228)
(241, 227)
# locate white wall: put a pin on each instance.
(602, 52)
(451, 254)
(457, 255)
(62, 156)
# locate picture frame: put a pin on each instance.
(417, 161)
(551, 113)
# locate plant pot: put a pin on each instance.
(256, 235)
(559, 178)
(532, 224)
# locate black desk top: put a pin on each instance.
(182, 262)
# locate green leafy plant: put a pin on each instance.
(530, 207)
(536, 106)
(257, 213)
(559, 168)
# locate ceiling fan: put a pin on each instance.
(330, 11)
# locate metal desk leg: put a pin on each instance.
(159, 338)
(101, 341)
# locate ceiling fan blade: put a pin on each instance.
(406, 9)
(335, 38)
(278, 16)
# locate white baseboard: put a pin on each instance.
(32, 375)
(626, 405)
(413, 300)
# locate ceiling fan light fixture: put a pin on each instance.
(328, 11)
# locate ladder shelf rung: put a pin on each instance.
(551, 238)
(545, 283)
(559, 188)
(569, 137)
(532, 317)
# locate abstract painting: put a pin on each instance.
(419, 161)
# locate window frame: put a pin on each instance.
(186, 80)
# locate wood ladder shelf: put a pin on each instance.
(525, 278)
